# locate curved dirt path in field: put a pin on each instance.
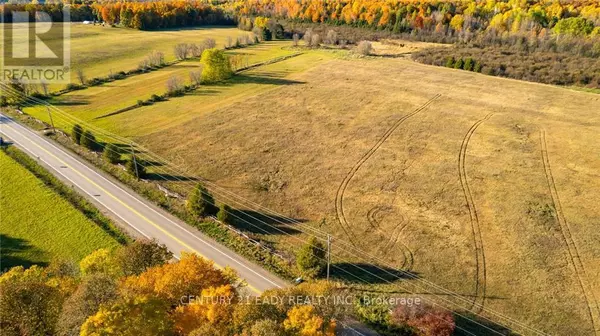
(480, 268)
(571, 246)
(372, 217)
(339, 197)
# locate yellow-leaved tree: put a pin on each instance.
(130, 317)
(171, 282)
(100, 261)
(304, 321)
(213, 307)
(215, 66)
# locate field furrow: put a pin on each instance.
(339, 198)
(571, 246)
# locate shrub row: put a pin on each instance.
(544, 67)
(113, 76)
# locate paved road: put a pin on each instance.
(140, 216)
(130, 209)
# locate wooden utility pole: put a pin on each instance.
(137, 174)
(328, 254)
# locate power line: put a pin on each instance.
(454, 295)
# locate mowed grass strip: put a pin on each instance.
(98, 101)
(263, 51)
(92, 103)
(149, 119)
(38, 225)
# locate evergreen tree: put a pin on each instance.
(201, 203)
(311, 258)
(76, 133)
(112, 153)
(468, 64)
(266, 33)
(459, 64)
(224, 214)
(88, 140)
(131, 165)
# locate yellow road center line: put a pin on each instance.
(134, 211)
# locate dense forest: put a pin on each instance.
(137, 15)
(580, 18)
(77, 12)
(547, 41)
(454, 17)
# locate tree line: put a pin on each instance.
(509, 16)
(140, 289)
(138, 15)
(453, 17)
(77, 12)
(161, 14)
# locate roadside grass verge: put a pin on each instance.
(44, 219)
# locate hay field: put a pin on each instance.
(463, 192)
(41, 225)
(98, 49)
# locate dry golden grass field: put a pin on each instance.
(485, 186)
(491, 190)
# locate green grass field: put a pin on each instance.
(92, 103)
(98, 50)
(41, 225)
(100, 100)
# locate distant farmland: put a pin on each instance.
(99, 101)
(99, 50)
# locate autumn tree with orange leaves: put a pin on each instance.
(138, 290)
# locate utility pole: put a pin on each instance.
(328, 254)
(137, 175)
(51, 121)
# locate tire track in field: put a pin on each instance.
(572, 249)
(407, 253)
(339, 197)
(480, 269)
